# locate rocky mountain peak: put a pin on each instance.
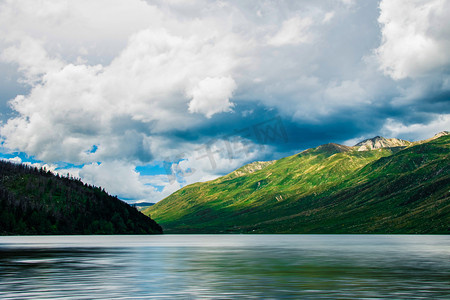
(381, 142)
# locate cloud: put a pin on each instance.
(117, 107)
(328, 17)
(212, 95)
(346, 92)
(416, 38)
(58, 119)
(32, 59)
(94, 30)
(15, 160)
(348, 2)
(417, 131)
(213, 159)
(120, 84)
(197, 163)
(118, 178)
(334, 98)
(293, 31)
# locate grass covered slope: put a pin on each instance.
(34, 201)
(328, 189)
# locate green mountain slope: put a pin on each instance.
(328, 189)
(35, 201)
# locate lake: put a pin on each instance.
(225, 267)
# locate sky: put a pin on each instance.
(145, 97)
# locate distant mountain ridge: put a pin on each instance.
(390, 186)
(142, 205)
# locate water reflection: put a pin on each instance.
(225, 266)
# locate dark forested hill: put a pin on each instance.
(388, 186)
(35, 201)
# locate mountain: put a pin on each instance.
(437, 135)
(401, 188)
(381, 142)
(35, 201)
(142, 205)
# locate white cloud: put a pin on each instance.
(32, 59)
(118, 178)
(15, 160)
(48, 167)
(416, 38)
(348, 2)
(328, 17)
(212, 95)
(100, 29)
(115, 107)
(59, 119)
(346, 93)
(418, 131)
(213, 159)
(293, 31)
(331, 99)
(195, 164)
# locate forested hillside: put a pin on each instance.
(35, 201)
(328, 189)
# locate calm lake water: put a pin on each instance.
(225, 267)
